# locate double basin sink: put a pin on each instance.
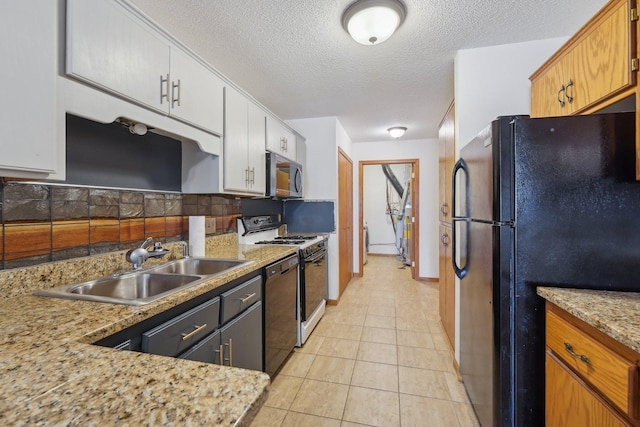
(141, 287)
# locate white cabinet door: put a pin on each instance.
(196, 93)
(256, 151)
(280, 139)
(28, 47)
(107, 47)
(236, 171)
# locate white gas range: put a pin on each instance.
(312, 270)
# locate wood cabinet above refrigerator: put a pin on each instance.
(595, 69)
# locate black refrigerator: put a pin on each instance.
(537, 202)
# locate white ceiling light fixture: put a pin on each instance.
(372, 22)
(397, 131)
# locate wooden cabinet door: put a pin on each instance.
(446, 161)
(549, 90)
(602, 63)
(108, 48)
(447, 285)
(592, 70)
(570, 402)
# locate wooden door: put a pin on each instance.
(345, 220)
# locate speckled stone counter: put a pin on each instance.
(52, 375)
(616, 314)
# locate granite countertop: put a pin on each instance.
(53, 375)
(616, 314)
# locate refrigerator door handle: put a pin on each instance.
(460, 165)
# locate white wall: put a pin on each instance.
(494, 81)
(490, 82)
(323, 137)
(426, 151)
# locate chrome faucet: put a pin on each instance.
(185, 249)
(139, 255)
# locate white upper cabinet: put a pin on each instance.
(280, 139)
(256, 152)
(110, 47)
(244, 154)
(196, 93)
(29, 51)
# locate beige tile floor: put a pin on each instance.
(378, 358)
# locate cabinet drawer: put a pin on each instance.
(174, 336)
(240, 298)
(607, 371)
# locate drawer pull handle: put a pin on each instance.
(582, 357)
(248, 297)
(197, 329)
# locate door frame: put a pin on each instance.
(415, 206)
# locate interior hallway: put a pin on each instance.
(379, 358)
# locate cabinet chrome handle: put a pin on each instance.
(248, 297)
(566, 91)
(197, 329)
(562, 90)
(175, 98)
(164, 88)
(582, 357)
(253, 175)
(283, 142)
(246, 176)
(230, 346)
(220, 352)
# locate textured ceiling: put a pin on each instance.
(294, 57)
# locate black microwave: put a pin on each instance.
(284, 177)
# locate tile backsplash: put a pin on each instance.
(42, 222)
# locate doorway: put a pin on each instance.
(389, 192)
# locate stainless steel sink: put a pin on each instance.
(199, 266)
(133, 286)
(148, 285)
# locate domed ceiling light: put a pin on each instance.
(397, 132)
(372, 22)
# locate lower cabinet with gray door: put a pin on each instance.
(238, 341)
(224, 327)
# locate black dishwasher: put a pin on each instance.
(280, 305)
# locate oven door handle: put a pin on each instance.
(315, 257)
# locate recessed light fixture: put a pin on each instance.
(371, 22)
(397, 131)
